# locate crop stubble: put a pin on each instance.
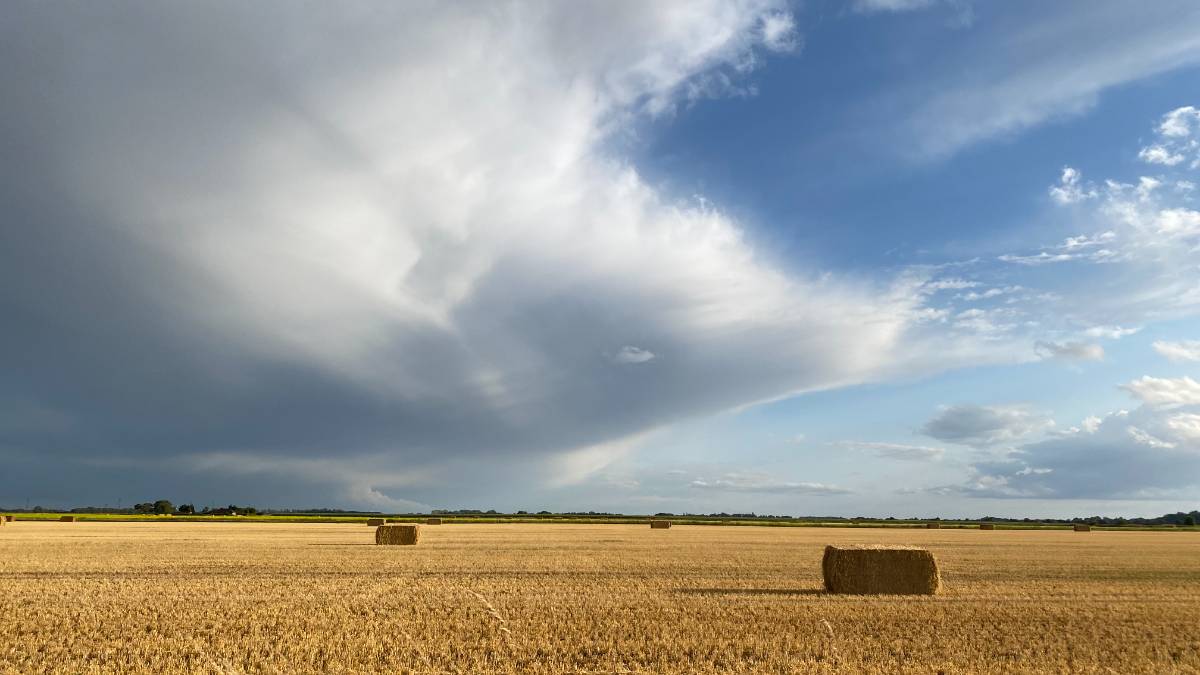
(227, 598)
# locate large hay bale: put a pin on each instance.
(933, 526)
(375, 522)
(660, 524)
(1083, 528)
(987, 526)
(405, 535)
(66, 519)
(10, 518)
(876, 569)
(433, 521)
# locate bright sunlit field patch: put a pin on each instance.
(257, 597)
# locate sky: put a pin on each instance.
(913, 258)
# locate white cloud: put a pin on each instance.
(1111, 332)
(766, 484)
(1070, 189)
(779, 32)
(1069, 351)
(1182, 223)
(1186, 350)
(1165, 392)
(1157, 154)
(870, 6)
(1181, 122)
(1015, 80)
(898, 451)
(630, 355)
(985, 426)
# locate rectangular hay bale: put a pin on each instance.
(987, 526)
(66, 519)
(406, 534)
(1083, 528)
(10, 518)
(660, 524)
(933, 526)
(375, 522)
(878, 570)
(433, 521)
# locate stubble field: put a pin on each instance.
(288, 598)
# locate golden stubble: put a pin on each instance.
(316, 598)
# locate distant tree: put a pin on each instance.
(143, 508)
(1189, 520)
(163, 506)
(187, 509)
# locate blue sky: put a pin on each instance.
(884, 257)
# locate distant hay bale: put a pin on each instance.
(405, 535)
(1083, 528)
(375, 522)
(877, 569)
(660, 524)
(393, 520)
(987, 526)
(433, 521)
(66, 519)
(11, 519)
(933, 526)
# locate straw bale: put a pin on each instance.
(987, 526)
(1082, 528)
(877, 569)
(375, 522)
(433, 521)
(660, 524)
(406, 534)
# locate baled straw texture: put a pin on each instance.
(10, 518)
(660, 524)
(933, 526)
(375, 522)
(66, 519)
(433, 521)
(987, 526)
(402, 535)
(1083, 528)
(876, 569)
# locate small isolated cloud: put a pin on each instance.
(901, 451)
(1069, 351)
(1186, 350)
(765, 484)
(872, 6)
(1165, 392)
(984, 426)
(1177, 139)
(1111, 332)
(779, 32)
(1070, 188)
(630, 355)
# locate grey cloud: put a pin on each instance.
(1069, 351)
(252, 231)
(1144, 454)
(984, 426)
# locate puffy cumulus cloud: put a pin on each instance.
(1186, 350)
(1165, 392)
(1146, 453)
(985, 426)
(1069, 351)
(899, 451)
(1178, 139)
(1070, 188)
(395, 237)
(755, 482)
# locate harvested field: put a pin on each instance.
(251, 597)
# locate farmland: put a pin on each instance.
(276, 597)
